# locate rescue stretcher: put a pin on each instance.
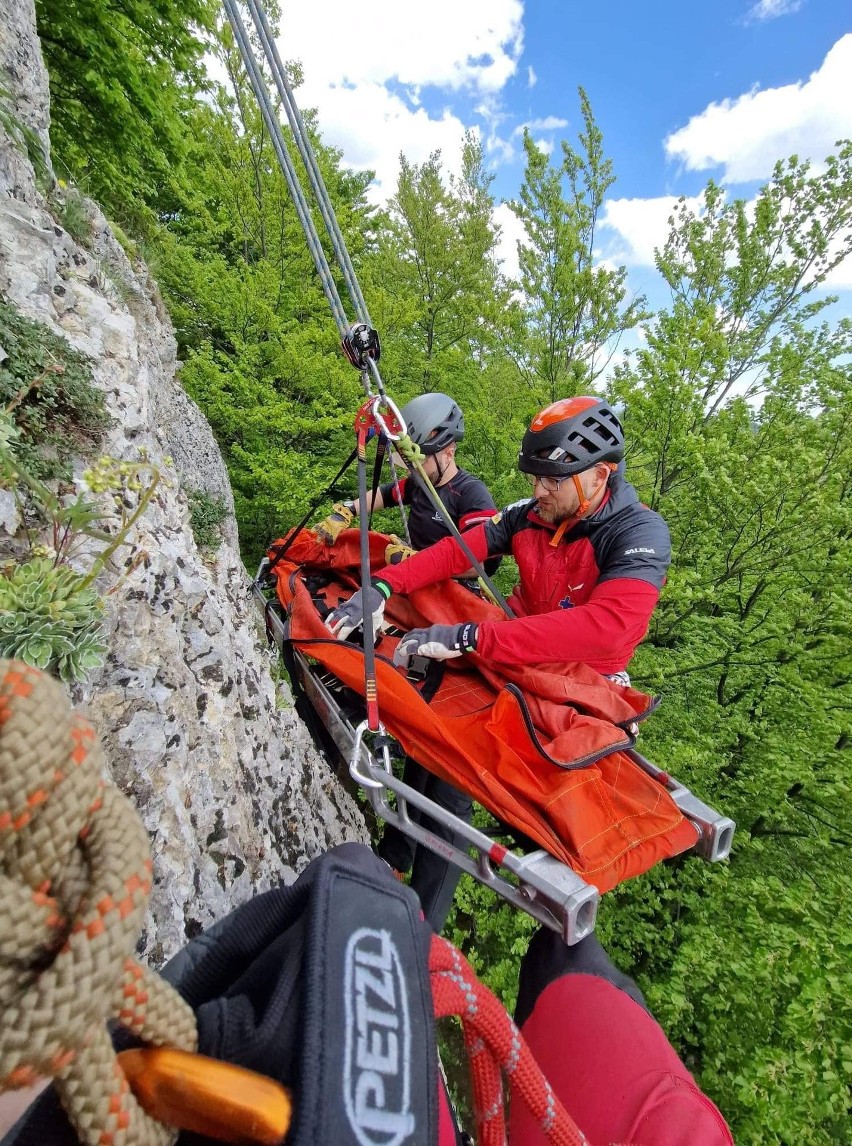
(537, 882)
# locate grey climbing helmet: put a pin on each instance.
(433, 421)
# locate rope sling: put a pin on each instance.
(75, 875)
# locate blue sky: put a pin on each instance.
(682, 91)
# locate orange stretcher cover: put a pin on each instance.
(539, 747)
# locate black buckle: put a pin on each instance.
(418, 667)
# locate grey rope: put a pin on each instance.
(274, 127)
(305, 148)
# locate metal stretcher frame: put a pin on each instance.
(537, 883)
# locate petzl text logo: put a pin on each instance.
(377, 1066)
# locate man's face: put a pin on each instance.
(556, 506)
(435, 465)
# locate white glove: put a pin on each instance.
(440, 642)
(349, 616)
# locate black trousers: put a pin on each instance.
(434, 879)
(548, 958)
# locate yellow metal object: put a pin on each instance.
(208, 1096)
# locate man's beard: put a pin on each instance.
(553, 515)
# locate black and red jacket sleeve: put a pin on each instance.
(440, 561)
(388, 493)
(475, 504)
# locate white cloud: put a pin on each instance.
(636, 227)
(372, 125)
(748, 134)
(512, 232)
(366, 75)
(548, 123)
(631, 229)
(532, 78)
(841, 277)
(769, 9)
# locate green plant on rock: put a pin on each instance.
(206, 514)
(50, 617)
(23, 136)
(69, 208)
(50, 613)
(46, 389)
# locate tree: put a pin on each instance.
(435, 276)
(575, 307)
(122, 76)
(740, 416)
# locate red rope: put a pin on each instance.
(495, 1044)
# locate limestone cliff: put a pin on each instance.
(195, 729)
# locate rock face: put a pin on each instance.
(196, 731)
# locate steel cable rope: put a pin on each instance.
(274, 127)
(305, 148)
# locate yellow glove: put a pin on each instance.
(397, 551)
(340, 518)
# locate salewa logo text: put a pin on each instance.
(377, 1066)
(638, 549)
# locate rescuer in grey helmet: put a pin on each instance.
(436, 424)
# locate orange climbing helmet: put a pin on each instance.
(570, 436)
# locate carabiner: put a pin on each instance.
(379, 419)
(365, 780)
(208, 1096)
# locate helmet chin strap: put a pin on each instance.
(583, 501)
(582, 508)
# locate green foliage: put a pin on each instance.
(206, 514)
(46, 386)
(51, 619)
(575, 306)
(122, 76)
(435, 278)
(69, 208)
(23, 136)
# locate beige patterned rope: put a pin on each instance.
(75, 875)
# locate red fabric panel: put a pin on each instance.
(614, 1070)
